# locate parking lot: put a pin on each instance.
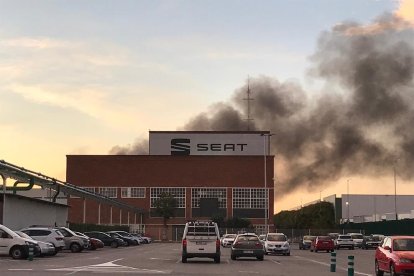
(165, 258)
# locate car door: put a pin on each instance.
(382, 258)
(5, 242)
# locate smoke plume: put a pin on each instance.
(359, 127)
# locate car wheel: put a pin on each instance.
(288, 254)
(217, 259)
(260, 258)
(75, 247)
(16, 252)
(392, 270)
(183, 259)
(378, 272)
(114, 244)
(233, 257)
(316, 250)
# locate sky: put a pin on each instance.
(80, 77)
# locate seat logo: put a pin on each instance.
(180, 146)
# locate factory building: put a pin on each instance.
(208, 173)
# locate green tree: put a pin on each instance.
(164, 207)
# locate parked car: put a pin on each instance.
(305, 242)
(201, 239)
(15, 246)
(357, 238)
(106, 239)
(228, 240)
(277, 243)
(372, 241)
(247, 245)
(144, 239)
(395, 255)
(46, 248)
(333, 236)
(135, 240)
(127, 240)
(94, 243)
(262, 238)
(74, 242)
(344, 241)
(46, 234)
(322, 243)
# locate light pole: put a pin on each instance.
(266, 196)
(347, 199)
(395, 188)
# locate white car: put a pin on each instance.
(14, 245)
(46, 248)
(277, 243)
(228, 240)
(201, 239)
(46, 234)
(344, 241)
(357, 238)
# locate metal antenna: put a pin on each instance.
(248, 99)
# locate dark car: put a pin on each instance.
(127, 240)
(322, 243)
(247, 245)
(372, 241)
(305, 242)
(106, 239)
(395, 255)
(94, 242)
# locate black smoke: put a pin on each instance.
(359, 125)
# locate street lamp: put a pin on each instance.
(347, 198)
(395, 188)
(265, 153)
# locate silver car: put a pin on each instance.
(46, 248)
(46, 234)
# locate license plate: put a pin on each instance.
(201, 243)
(248, 251)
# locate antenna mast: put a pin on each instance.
(248, 99)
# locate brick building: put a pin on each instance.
(208, 173)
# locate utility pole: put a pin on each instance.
(248, 99)
(395, 189)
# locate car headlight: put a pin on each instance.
(405, 261)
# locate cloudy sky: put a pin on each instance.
(80, 77)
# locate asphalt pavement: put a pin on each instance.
(165, 258)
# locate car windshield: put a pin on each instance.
(309, 238)
(247, 238)
(324, 238)
(345, 237)
(357, 236)
(276, 238)
(230, 236)
(403, 244)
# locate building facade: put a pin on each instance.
(208, 173)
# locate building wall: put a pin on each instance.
(22, 212)
(368, 205)
(164, 171)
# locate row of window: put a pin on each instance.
(243, 198)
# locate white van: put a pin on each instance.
(14, 245)
(201, 239)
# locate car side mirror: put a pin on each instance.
(387, 248)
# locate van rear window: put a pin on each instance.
(201, 231)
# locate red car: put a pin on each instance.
(322, 243)
(395, 255)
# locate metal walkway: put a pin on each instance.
(22, 176)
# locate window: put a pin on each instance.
(108, 191)
(246, 198)
(178, 193)
(197, 193)
(133, 192)
(89, 189)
